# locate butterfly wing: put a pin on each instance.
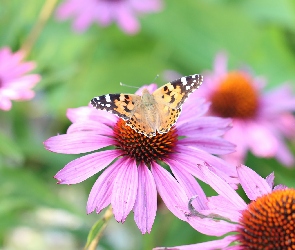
(122, 105)
(168, 118)
(173, 94)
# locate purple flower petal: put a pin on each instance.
(189, 183)
(90, 126)
(125, 189)
(222, 187)
(211, 227)
(253, 184)
(77, 143)
(145, 206)
(101, 192)
(211, 145)
(205, 126)
(223, 207)
(126, 19)
(170, 191)
(82, 168)
(270, 179)
(210, 245)
(192, 156)
(89, 113)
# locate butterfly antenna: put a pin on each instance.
(122, 84)
(157, 76)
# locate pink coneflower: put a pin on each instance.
(261, 120)
(14, 85)
(268, 222)
(136, 168)
(104, 12)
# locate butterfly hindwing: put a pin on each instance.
(122, 105)
(173, 94)
(168, 120)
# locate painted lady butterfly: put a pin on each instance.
(150, 113)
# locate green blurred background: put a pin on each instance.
(35, 213)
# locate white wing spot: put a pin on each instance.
(187, 87)
(108, 105)
(183, 80)
(108, 98)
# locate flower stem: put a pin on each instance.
(106, 217)
(45, 13)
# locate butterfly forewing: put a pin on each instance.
(173, 94)
(122, 105)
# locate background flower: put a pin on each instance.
(132, 181)
(261, 119)
(123, 12)
(14, 84)
(266, 223)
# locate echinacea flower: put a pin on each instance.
(268, 222)
(261, 119)
(104, 12)
(14, 84)
(133, 174)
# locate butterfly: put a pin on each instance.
(151, 113)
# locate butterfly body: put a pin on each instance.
(150, 113)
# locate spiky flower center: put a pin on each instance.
(142, 148)
(235, 97)
(269, 222)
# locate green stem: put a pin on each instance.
(106, 217)
(44, 15)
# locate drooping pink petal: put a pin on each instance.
(191, 156)
(145, 206)
(125, 189)
(171, 192)
(189, 183)
(222, 187)
(76, 143)
(210, 245)
(253, 184)
(101, 192)
(84, 167)
(223, 207)
(211, 227)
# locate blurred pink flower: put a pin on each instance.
(106, 11)
(133, 175)
(266, 223)
(14, 85)
(261, 120)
